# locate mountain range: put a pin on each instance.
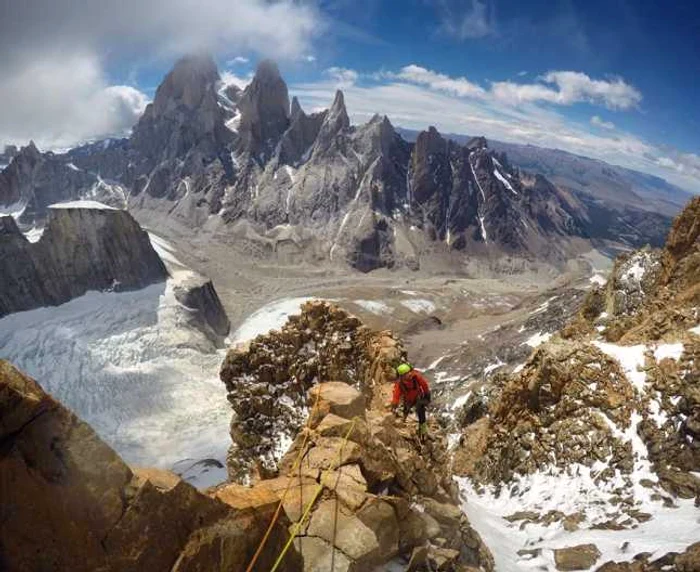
(360, 194)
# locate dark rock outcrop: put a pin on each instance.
(68, 502)
(81, 249)
(205, 310)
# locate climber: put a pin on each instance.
(412, 386)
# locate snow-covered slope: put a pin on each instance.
(125, 363)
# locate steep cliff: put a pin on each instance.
(81, 249)
(599, 429)
(68, 502)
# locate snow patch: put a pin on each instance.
(598, 279)
(34, 234)
(537, 339)
(373, 306)
(506, 182)
(631, 358)
(419, 305)
(270, 317)
(672, 351)
(494, 366)
(82, 205)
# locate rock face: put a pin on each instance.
(81, 249)
(197, 293)
(355, 479)
(608, 408)
(35, 180)
(365, 196)
(65, 491)
(268, 378)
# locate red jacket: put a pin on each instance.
(411, 386)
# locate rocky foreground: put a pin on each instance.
(586, 458)
(68, 502)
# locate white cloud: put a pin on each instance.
(571, 87)
(65, 99)
(54, 89)
(238, 60)
(598, 122)
(460, 86)
(467, 20)
(310, 59)
(342, 76)
(282, 28)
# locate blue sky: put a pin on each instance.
(613, 80)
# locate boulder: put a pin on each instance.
(338, 398)
(321, 556)
(581, 557)
(332, 523)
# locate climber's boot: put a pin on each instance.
(423, 432)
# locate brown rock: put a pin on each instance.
(338, 398)
(581, 557)
(62, 489)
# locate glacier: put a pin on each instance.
(128, 365)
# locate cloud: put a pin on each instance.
(238, 60)
(598, 122)
(416, 105)
(342, 76)
(460, 86)
(54, 88)
(571, 87)
(464, 20)
(281, 29)
(63, 99)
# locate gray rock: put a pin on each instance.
(197, 293)
(81, 249)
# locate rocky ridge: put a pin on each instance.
(68, 502)
(81, 249)
(373, 499)
(370, 198)
(611, 401)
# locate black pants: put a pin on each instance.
(420, 404)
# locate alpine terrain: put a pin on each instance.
(202, 326)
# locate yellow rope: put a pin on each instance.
(300, 523)
(297, 461)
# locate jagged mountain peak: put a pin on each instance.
(477, 143)
(337, 113)
(191, 78)
(296, 109)
(267, 71)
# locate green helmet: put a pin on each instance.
(403, 369)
